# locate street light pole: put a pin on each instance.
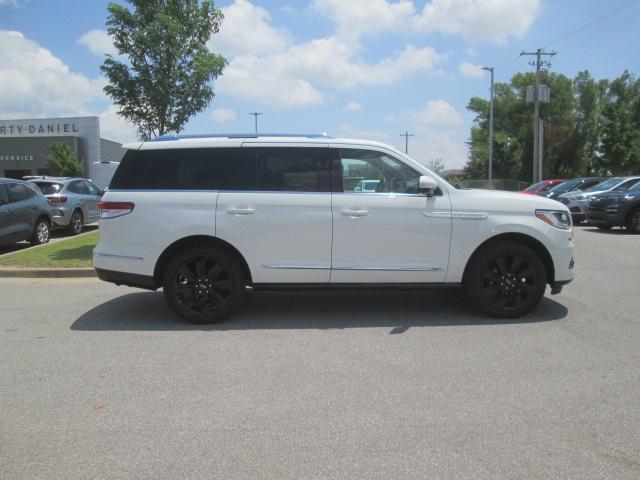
(490, 69)
(406, 136)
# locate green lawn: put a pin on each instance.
(74, 252)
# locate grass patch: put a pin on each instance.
(74, 252)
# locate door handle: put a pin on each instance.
(240, 211)
(9, 212)
(354, 213)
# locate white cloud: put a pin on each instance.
(353, 106)
(285, 79)
(223, 115)
(357, 18)
(114, 127)
(470, 70)
(427, 146)
(98, 41)
(13, 3)
(436, 112)
(247, 29)
(39, 83)
(493, 20)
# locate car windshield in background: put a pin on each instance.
(606, 185)
(565, 187)
(49, 188)
(535, 186)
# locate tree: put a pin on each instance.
(167, 75)
(63, 161)
(436, 165)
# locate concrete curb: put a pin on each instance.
(47, 273)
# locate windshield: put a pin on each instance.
(606, 185)
(535, 186)
(49, 188)
(627, 185)
(566, 186)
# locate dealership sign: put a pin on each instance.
(38, 129)
(16, 158)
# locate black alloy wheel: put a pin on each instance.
(203, 285)
(506, 280)
(633, 222)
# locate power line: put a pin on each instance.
(597, 34)
(595, 20)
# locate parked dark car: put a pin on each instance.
(25, 213)
(572, 185)
(616, 209)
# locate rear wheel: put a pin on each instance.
(203, 285)
(633, 221)
(41, 232)
(505, 280)
(75, 225)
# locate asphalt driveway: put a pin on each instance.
(99, 381)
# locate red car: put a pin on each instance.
(542, 186)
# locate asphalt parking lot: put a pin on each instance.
(99, 381)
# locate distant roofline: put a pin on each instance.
(166, 138)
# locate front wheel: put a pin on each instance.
(203, 285)
(633, 223)
(505, 280)
(41, 232)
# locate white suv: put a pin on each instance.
(206, 217)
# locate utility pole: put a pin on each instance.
(256, 114)
(406, 136)
(490, 69)
(537, 154)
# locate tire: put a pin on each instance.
(604, 227)
(76, 223)
(203, 285)
(505, 279)
(633, 220)
(41, 232)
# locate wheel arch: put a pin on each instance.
(627, 217)
(523, 238)
(192, 241)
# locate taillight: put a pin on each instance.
(115, 209)
(57, 200)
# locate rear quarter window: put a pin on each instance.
(186, 169)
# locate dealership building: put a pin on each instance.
(25, 145)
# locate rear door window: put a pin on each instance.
(4, 195)
(293, 169)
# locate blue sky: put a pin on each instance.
(357, 68)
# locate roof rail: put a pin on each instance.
(165, 138)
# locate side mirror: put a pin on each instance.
(427, 185)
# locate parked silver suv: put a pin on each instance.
(74, 201)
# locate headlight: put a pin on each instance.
(581, 197)
(556, 218)
(628, 198)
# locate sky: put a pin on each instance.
(370, 69)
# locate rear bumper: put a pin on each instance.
(128, 279)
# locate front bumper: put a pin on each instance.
(610, 215)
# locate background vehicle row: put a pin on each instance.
(24, 213)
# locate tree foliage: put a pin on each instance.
(63, 161)
(590, 128)
(164, 70)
